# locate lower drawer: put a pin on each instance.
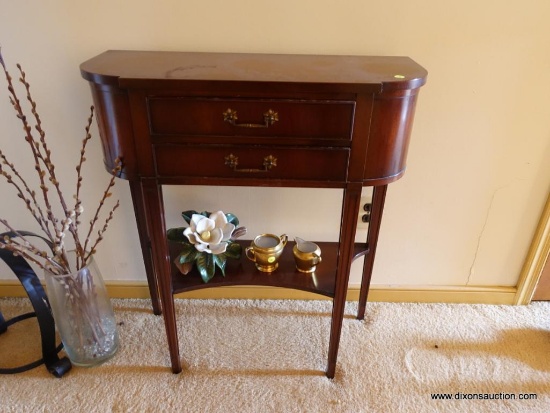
(320, 164)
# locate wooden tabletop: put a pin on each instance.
(126, 68)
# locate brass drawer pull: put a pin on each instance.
(233, 161)
(270, 117)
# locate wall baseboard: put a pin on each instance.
(418, 294)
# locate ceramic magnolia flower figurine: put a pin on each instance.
(209, 234)
(207, 242)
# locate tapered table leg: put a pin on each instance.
(378, 199)
(139, 210)
(350, 211)
(154, 208)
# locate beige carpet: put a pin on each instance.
(269, 356)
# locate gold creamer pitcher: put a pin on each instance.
(307, 255)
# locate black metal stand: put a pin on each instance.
(56, 366)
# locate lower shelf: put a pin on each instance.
(244, 272)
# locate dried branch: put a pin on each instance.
(44, 154)
(106, 194)
(36, 212)
(54, 228)
(35, 151)
(101, 232)
(28, 250)
(78, 208)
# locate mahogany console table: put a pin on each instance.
(255, 120)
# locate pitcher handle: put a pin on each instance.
(316, 259)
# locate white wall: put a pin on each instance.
(479, 162)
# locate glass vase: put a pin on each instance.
(83, 315)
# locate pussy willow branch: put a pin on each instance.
(106, 194)
(78, 202)
(36, 212)
(34, 149)
(53, 227)
(38, 125)
(101, 232)
(23, 249)
(44, 154)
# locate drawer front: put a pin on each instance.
(251, 162)
(318, 119)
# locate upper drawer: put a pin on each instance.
(283, 118)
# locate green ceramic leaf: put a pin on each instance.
(176, 235)
(188, 254)
(206, 266)
(220, 260)
(232, 219)
(187, 215)
(233, 250)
